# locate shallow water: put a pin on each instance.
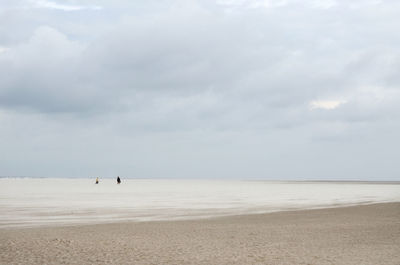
(51, 201)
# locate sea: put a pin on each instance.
(31, 202)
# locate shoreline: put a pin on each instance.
(363, 234)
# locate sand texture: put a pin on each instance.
(351, 235)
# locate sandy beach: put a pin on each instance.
(367, 234)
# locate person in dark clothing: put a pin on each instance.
(118, 180)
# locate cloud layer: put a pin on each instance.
(200, 88)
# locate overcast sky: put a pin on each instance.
(244, 89)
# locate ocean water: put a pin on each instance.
(47, 201)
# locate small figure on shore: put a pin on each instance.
(118, 180)
(97, 180)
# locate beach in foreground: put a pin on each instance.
(368, 234)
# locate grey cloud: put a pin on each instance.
(181, 71)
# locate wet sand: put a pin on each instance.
(351, 235)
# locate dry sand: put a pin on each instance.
(351, 235)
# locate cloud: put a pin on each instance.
(323, 4)
(57, 6)
(42, 74)
(179, 80)
(252, 3)
(3, 49)
(313, 4)
(179, 55)
(326, 104)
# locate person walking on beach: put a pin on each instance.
(118, 180)
(97, 180)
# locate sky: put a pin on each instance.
(227, 89)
